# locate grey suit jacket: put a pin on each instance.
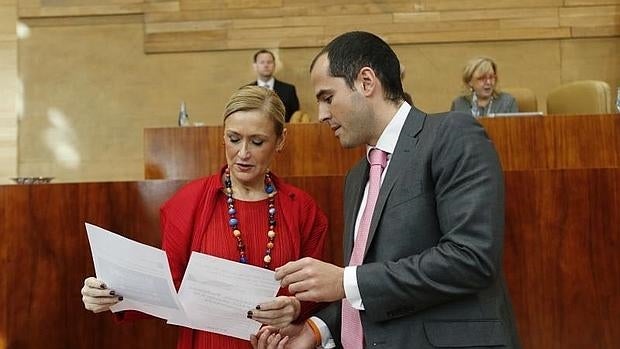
(432, 274)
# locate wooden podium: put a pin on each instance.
(562, 232)
(191, 152)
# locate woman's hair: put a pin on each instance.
(484, 65)
(250, 98)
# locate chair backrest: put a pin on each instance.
(526, 98)
(580, 97)
(300, 117)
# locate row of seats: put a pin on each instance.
(578, 97)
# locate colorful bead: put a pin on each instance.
(233, 222)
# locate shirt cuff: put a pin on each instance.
(327, 342)
(351, 290)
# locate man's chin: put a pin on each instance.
(345, 143)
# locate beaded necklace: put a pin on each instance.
(233, 222)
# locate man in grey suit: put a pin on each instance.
(431, 275)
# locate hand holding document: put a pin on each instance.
(214, 296)
(138, 272)
(219, 293)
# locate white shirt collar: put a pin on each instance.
(269, 83)
(389, 137)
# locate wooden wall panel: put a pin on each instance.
(204, 25)
(10, 96)
(191, 152)
(398, 22)
(563, 276)
(45, 256)
(525, 143)
(561, 261)
(583, 60)
(555, 142)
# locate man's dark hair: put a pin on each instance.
(350, 52)
(264, 51)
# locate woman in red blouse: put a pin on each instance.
(243, 213)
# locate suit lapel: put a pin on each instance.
(399, 163)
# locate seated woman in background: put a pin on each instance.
(242, 213)
(483, 97)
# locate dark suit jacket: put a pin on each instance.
(432, 275)
(287, 94)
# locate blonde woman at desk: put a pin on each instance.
(483, 97)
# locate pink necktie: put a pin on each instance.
(352, 333)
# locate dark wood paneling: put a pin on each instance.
(45, 256)
(556, 142)
(191, 152)
(549, 142)
(327, 191)
(48, 256)
(561, 259)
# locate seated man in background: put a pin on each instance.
(265, 66)
(482, 97)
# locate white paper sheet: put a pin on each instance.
(219, 293)
(138, 272)
(215, 294)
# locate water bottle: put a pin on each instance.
(618, 100)
(183, 116)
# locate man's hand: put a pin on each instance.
(312, 280)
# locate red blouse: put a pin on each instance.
(196, 219)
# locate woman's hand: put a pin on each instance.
(268, 338)
(278, 313)
(294, 336)
(97, 297)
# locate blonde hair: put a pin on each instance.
(484, 65)
(250, 98)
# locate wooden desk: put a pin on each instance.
(191, 152)
(523, 143)
(556, 142)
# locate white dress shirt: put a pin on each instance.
(267, 84)
(387, 142)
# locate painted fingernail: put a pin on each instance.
(112, 292)
(120, 298)
(258, 307)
